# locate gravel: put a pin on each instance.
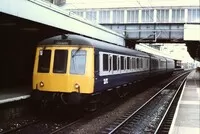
(95, 125)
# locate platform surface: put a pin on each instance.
(187, 116)
(14, 94)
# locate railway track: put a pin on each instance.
(167, 119)
(18, 127)
(48, 126)
(41, 126)
(48, 121)
(151, 117)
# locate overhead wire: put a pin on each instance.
(150, 15)
(158, 19)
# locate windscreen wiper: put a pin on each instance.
(76, 51)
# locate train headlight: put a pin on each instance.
(77, 86)
(41, 84)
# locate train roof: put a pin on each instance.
(72, 39)
(157, 56)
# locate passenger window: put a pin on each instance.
(118, 62)
(133, 63)
(60, 61)
(122, 62)
(138, 63)
(128, 62)
(125, 65)
(105, 62)
(110, 63)
(78, 62)
(114, 62)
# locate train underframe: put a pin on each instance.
(58, 97)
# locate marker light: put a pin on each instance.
(76, 86)
(41, 84)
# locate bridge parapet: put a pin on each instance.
(150, 32)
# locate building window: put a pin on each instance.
(104, 16)
(193, 15)
(132, 16)
(178, 15)
(78, 12)
(91, 15)
(118, 16)
(162, 15)
(147, 15)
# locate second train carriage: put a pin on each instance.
(73, 67)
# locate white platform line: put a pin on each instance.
(186, 130)
(14, 99)
(190, 102)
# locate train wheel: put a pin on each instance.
(91, 107)
(121, 93)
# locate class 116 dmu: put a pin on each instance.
(72, 68)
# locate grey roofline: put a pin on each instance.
(81, 40)
(84, 41)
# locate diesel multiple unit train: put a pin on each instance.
(72, 68)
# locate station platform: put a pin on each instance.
(14, 94)
(187, 116)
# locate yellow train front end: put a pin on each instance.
(63, 72)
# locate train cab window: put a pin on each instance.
(60, 61)
(105, 62)
(78, 62)
(114, 62)
(44, 61)
(122, 62)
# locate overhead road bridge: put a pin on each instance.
(23, 23)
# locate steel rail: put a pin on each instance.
(18, 128)
(65, 126)
(159, 126)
